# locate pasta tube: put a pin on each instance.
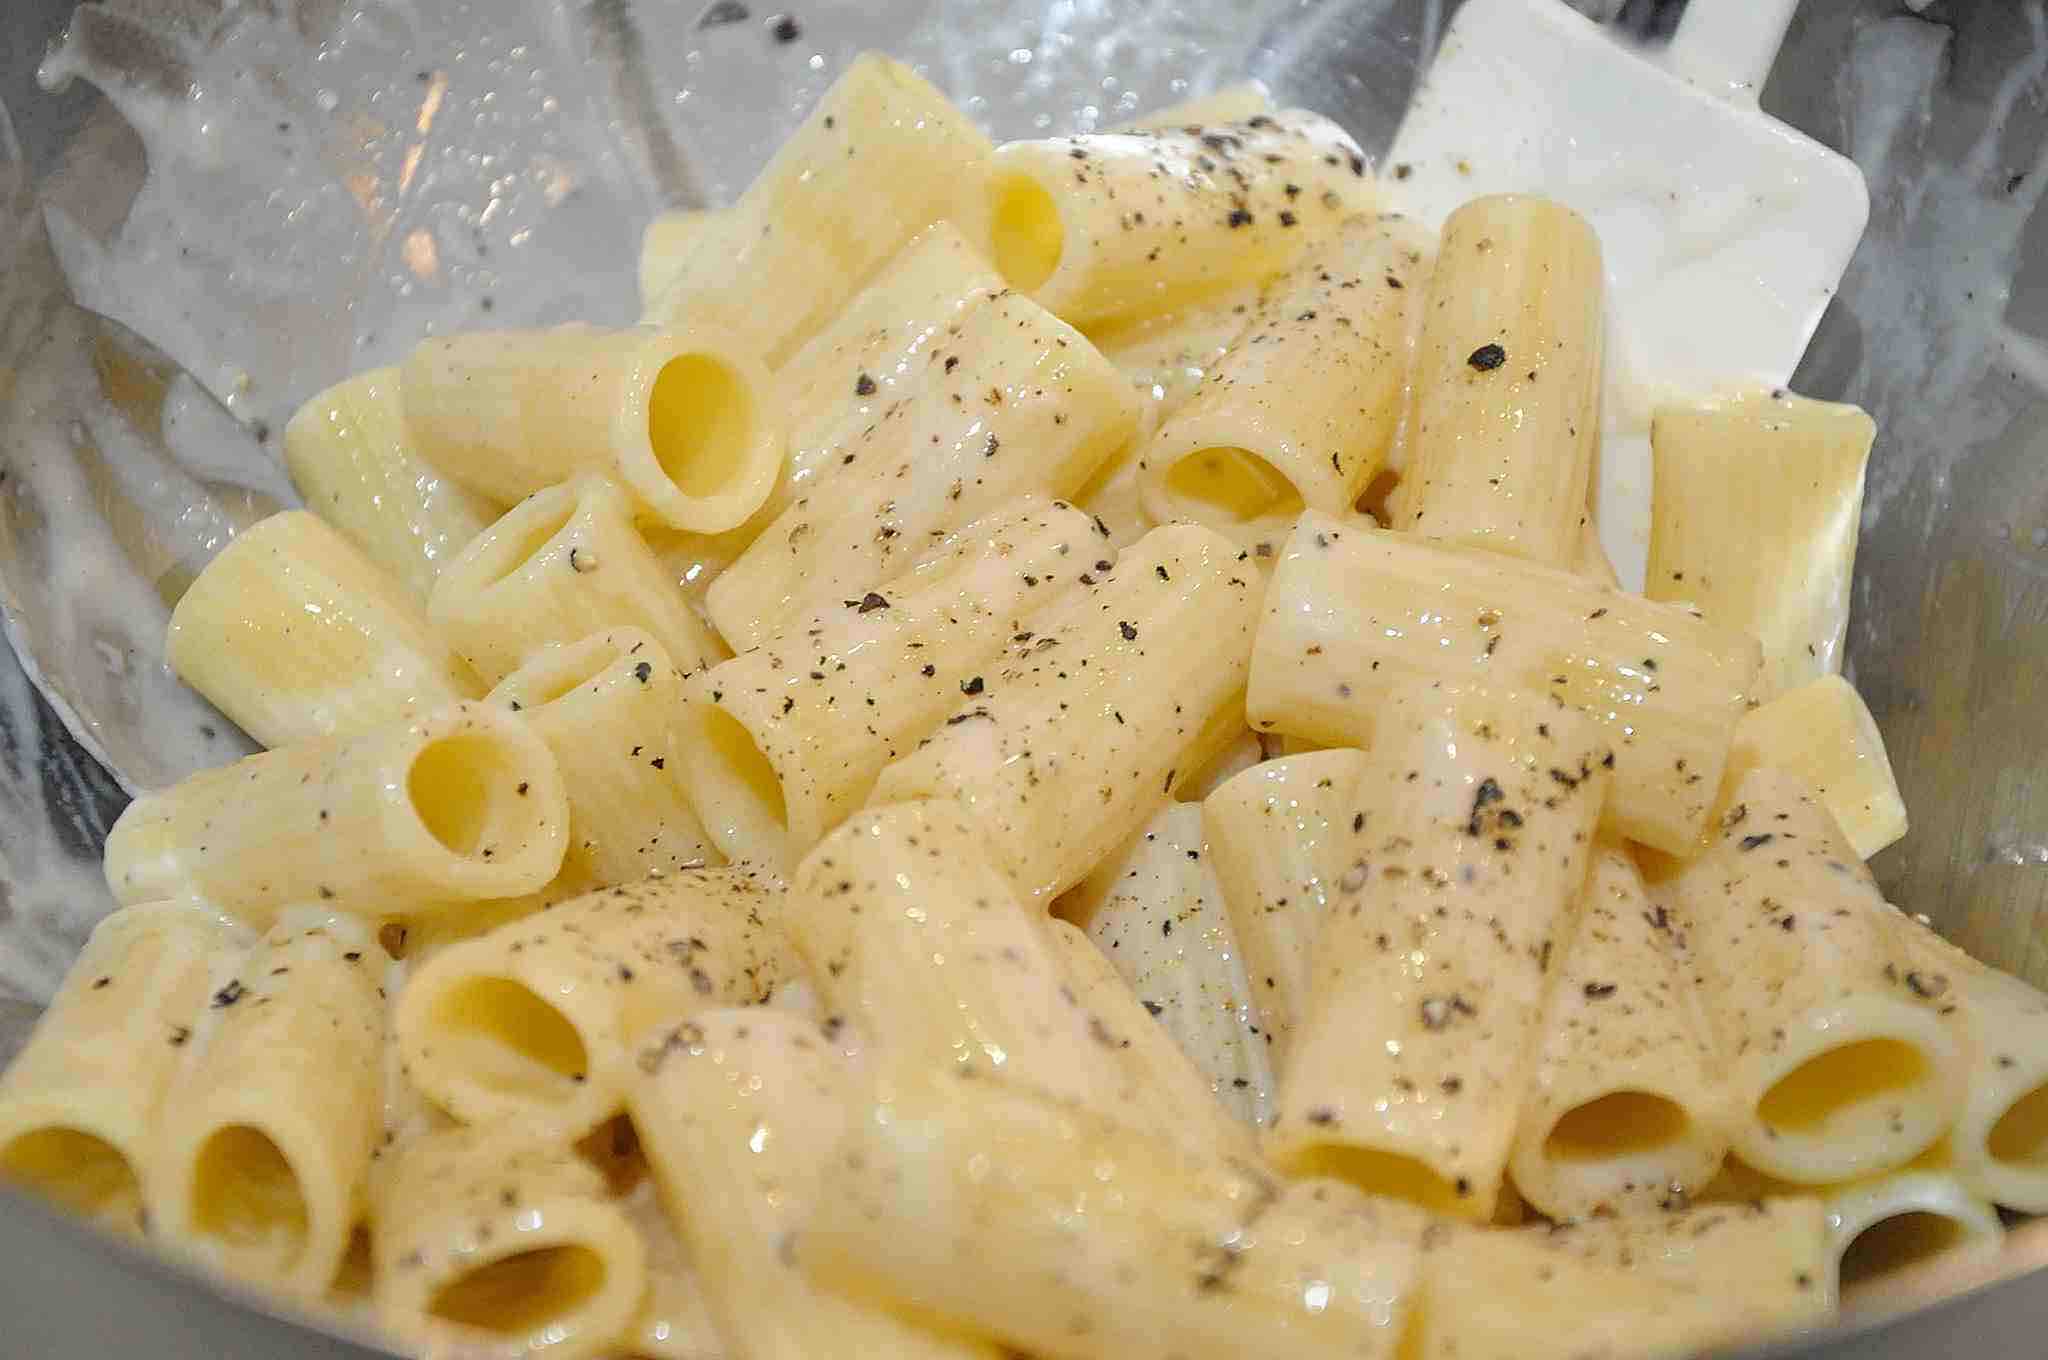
(495, 1237)
(266, 1138)
(1029, 408)
(1112, 1245)
(1477, 813)
(778, 264)
(294, 634)
(1281, 836)
(605, 706)
(1672, 1285)
(666, 246)
(675, 1318)
(741, 1112)
(355, 464)
(534, 1022)
(1822, 732)
(1507, 382)
(1165, 1093)
(1836, 1058)
(1999, 1145)
(559, 564)
(1116, 225)
(80, 1106)
(459, 806)
(1591, 560)
(1156, 911)
(1352, 613)
(1301, 410)
(1880, 1228)
(1624, 1111)
(1753, 518)
(683, 420)
(1084, 726)
(914, 936)
(780, 743)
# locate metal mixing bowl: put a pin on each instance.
(1939, 330)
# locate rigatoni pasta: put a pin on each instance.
(606, 707)
(561, 563)
(1822, 732)
(1507, 382)
(1116, 225)
(1880, 1227)
(1090, 715)
(461, 805)
(1477, 815)
(294, 634)
(683, 419)
(358, 467)
(1352, 614)
(1301, 410)
(782, 742)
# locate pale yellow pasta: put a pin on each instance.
(675, 1321)
(294, 634)
(1155, 910)
(666, 246)
(782, 742)
(357, 467)
(1352, 613)
(1164, 1093)
(265, 1142)
(740, 1113)
(1281, 835)
(1822, 732)
(1591, 559)
(1754, 515)
(1167, 356)
(1029, 408)
(504, 1242)
(1089, 717)
(684, 420)
(1507, 382)
(1301, 410)
(1999, 1144)
(1880, 1228)
(534, 1023)
(1170, 1253)
(81, 1104)
(1625, 1110)
(560, 564)
(607, 708)
(1437, 943)
(913, 936)
(1244, 749)
(1115, 225)
(460, 805)
(1837, 1060)
(1111, 496)
(1667, 1286)
(881, 157)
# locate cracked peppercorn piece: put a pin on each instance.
(1487, 358)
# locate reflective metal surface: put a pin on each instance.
(1939, 330)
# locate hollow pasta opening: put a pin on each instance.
(523, 532)
(522, 1294)
(1026, 232)
(1854, 1081)
(1383, 1173)
(2020, 1137)
(738, 792)
(1893, 1244)
(77, 1171)
(701, 423)
(506, 1040)
(1230, 486)
(1616, 1127)
(246, 1196)
(464, 790)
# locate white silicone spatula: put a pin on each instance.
(1724, 231)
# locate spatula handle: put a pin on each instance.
(1727, 46)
